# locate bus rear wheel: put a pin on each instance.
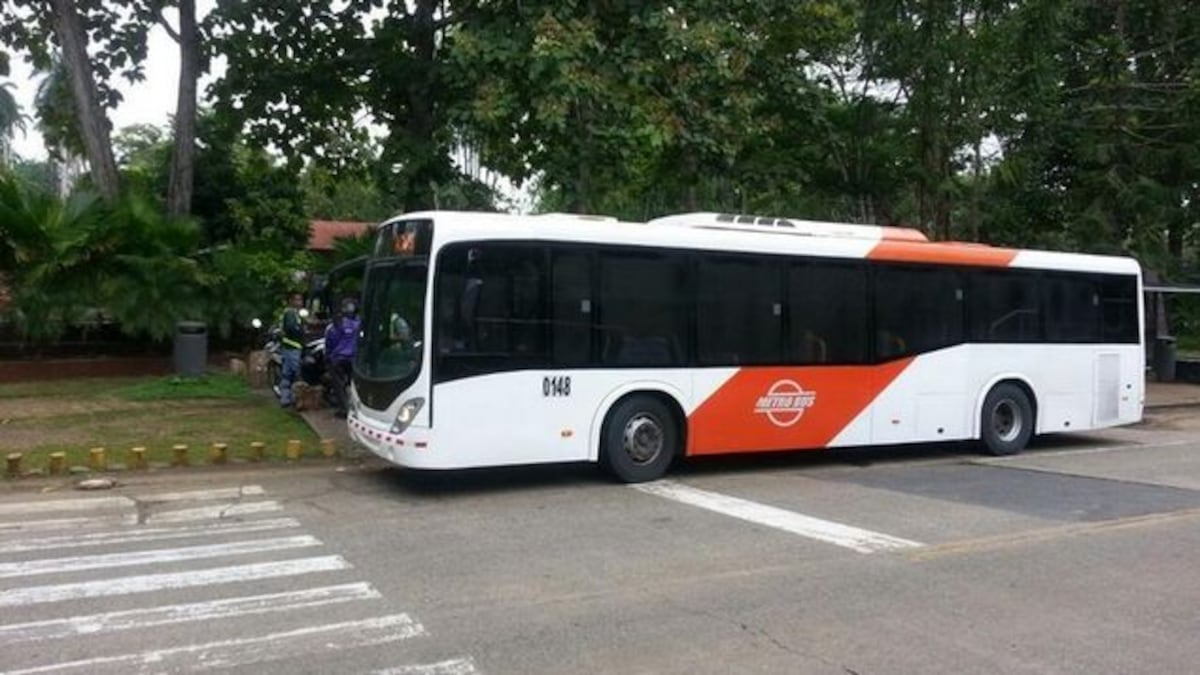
(640, 439)
(1007, 420)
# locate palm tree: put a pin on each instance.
(11, 119)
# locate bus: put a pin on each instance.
(493, 339)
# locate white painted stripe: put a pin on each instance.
(68, 523)
(177, 516)
(27, 568)
(204, 495)
(111, 537)
(863, 541)
(112, 622)
(248, 651)
(213, 512)
(145, 583)
(451, 667)
(50, 506)
(1033, 455)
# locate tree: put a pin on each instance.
(180, 183)
(92, 120)
(303, 76)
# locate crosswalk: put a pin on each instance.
(81, 578)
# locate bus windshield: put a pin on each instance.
(389, 354)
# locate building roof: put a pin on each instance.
(321, 233)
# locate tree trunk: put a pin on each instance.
(179, 187)
(93, 122)
(419, 128)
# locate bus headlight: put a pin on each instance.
(408, 412)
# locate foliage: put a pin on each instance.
(302, 75)
(82, 261)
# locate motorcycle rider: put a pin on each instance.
(341, 344)
(290, 346)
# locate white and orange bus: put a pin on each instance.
(495, 339)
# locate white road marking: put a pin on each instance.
(26, 568)
(32, 595)
(249, 651)
(68, 523)
(112, 622)
(1029, 455)
(177, 516)
(863, 541)
(204, 495)
(84, 504)
(213, 512)
(147, 534)
(450, 667)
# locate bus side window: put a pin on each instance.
(643, 309)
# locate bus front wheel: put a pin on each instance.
(640, 439)
(1007, 421)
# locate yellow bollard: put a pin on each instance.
(58, 463)
(293, 450)
(180, 457)
(258, 451)
(327, 448)
(97, 462)
(137, 458)
(218, 455)
(14, 465)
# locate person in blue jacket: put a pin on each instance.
(341, 344)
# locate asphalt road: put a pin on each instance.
(1079, 556)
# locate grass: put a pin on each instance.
(73, 416)
(212, 386)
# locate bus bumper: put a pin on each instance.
(411, 449)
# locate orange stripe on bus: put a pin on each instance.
(903, 234)
(976, 255)
(786, 408)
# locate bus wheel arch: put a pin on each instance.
(642, 433)
(1007, 416)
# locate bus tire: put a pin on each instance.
(1006, 423)
(640, 439)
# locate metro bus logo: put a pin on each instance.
(785, 402)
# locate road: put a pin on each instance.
(1078, 556)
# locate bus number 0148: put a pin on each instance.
(556, 386)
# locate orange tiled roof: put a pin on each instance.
(321, 233)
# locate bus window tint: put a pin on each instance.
(916, 310)
(1004, 307)
(738, 312)
(1072, 309)
(827, 317)
(571, 313)
(490, 308)
(643, 313)
(1119, 309)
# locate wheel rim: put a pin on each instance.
(644, 438)
(1007, 420)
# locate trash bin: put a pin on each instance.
(1164, 358)
(190, 354)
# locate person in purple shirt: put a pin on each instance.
(341, 344)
